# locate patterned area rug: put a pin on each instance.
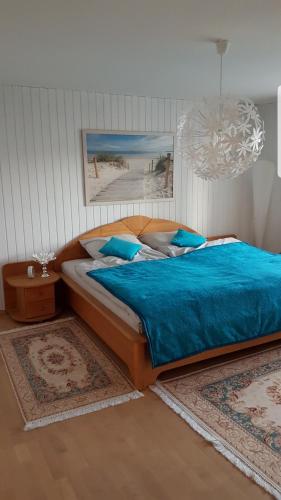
(58, 372)
(237, 407)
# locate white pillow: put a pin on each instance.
(162, 243)
(93, 245)
(156, 240)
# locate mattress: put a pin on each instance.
(76, 270)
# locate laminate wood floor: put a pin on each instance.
(136, 451)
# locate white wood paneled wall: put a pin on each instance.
(41, 181)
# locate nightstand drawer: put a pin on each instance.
(39, 293)
(39, 308)
(33, 299)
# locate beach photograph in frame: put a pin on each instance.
(125, 167)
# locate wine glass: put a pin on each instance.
(44, 258)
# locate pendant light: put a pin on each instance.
(220, 138)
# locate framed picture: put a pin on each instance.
(126, 167)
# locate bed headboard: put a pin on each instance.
(138, 224)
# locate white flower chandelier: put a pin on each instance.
(221, 137)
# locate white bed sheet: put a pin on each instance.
(77, 269)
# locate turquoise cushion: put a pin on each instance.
(120, 248)
(185, 239)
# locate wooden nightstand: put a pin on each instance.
(35, 297)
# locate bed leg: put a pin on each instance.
(142, 381)
(141, 371)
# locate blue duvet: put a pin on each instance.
(211, 297)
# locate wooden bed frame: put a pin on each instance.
(130, 346)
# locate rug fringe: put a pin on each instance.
(42, 422)
(218, 445)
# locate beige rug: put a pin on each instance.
(237, 407)
(58, 372)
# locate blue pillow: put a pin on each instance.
(120, 248)
(185, 239)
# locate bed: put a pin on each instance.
(122, 332)
(117, 321)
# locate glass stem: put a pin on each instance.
(44, 271)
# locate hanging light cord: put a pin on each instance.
(222, 46)
(221, 75)
(220, 129)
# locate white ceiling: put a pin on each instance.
(142, 47)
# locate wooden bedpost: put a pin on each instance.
(141, 371)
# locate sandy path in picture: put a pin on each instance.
(129, 186)
(107, 174)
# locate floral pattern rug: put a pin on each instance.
(58, 372)
(236, 406)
